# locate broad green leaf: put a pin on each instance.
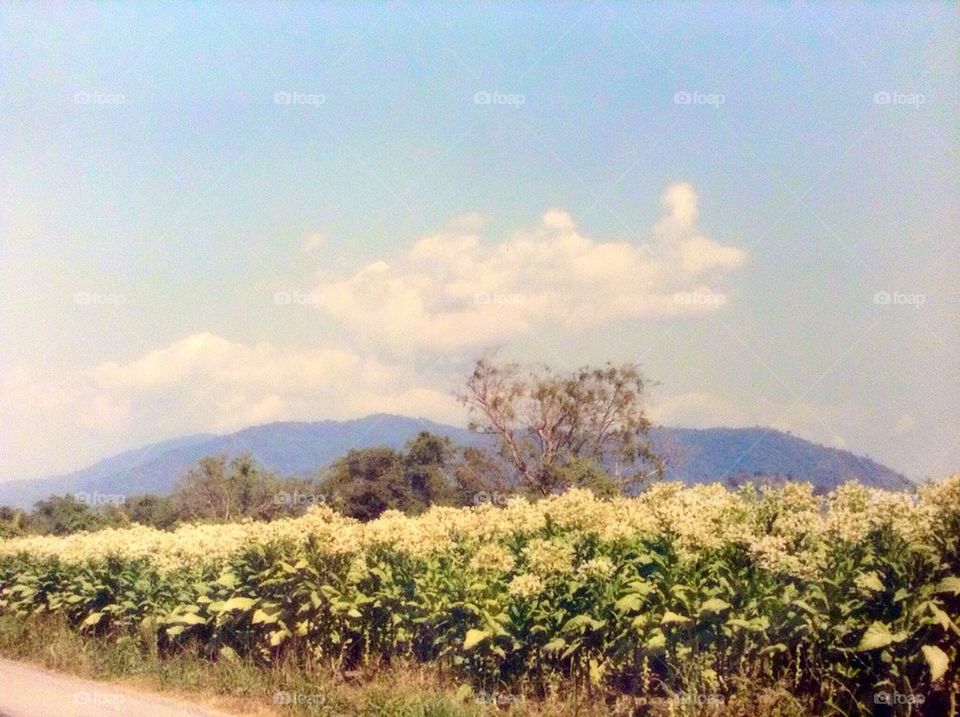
(714, 605)
(937, 660)
(753, 625)
(806, 607)
(596, 672)
(260, 617)
(870, 581)
(657, 642)
(949, 585)
(237, 603)
(942, 619)
(646, 559)
(641, 587)
(574, 646)
(629, 603)
(555, 645)
(474, 638)
(672, 617)
(278, 636)
(227, 579)
(682, 591)
(92, 619)
(188, 618)
(582, 621)
(878, 635)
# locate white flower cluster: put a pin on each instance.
(787, 529)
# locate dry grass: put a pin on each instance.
(241, 687)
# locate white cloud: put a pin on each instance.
(680, 206)
(224, 385)
(559, 220)
(454, 290)
(225, 364)
(696, 410)
(312, 242)
(202, 382)
(469, 222)
(905, 424)
(446, 295)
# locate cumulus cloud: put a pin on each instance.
(224, 385)
(312, 242)
(696, 409)
(202, 382)
(445, 296)
(454, 289)
(680, 207)
(905, 424)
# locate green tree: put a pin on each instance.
(366, 482)
(548, 423)
(61, 515)
(219, 490)
(478, 474)
(427, 469)
(13, 522)
(157, 511)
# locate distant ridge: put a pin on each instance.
(704, 455)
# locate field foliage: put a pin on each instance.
(693, 594)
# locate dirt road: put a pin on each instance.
(28, 691)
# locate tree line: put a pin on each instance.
(549, 431)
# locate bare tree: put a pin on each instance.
(546, 422)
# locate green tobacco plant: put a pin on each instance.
(691, 597)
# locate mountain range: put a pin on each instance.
(298, 448)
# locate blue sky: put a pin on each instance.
(717, 191)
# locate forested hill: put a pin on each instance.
(731, 455)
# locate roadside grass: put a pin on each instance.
(296, 690)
